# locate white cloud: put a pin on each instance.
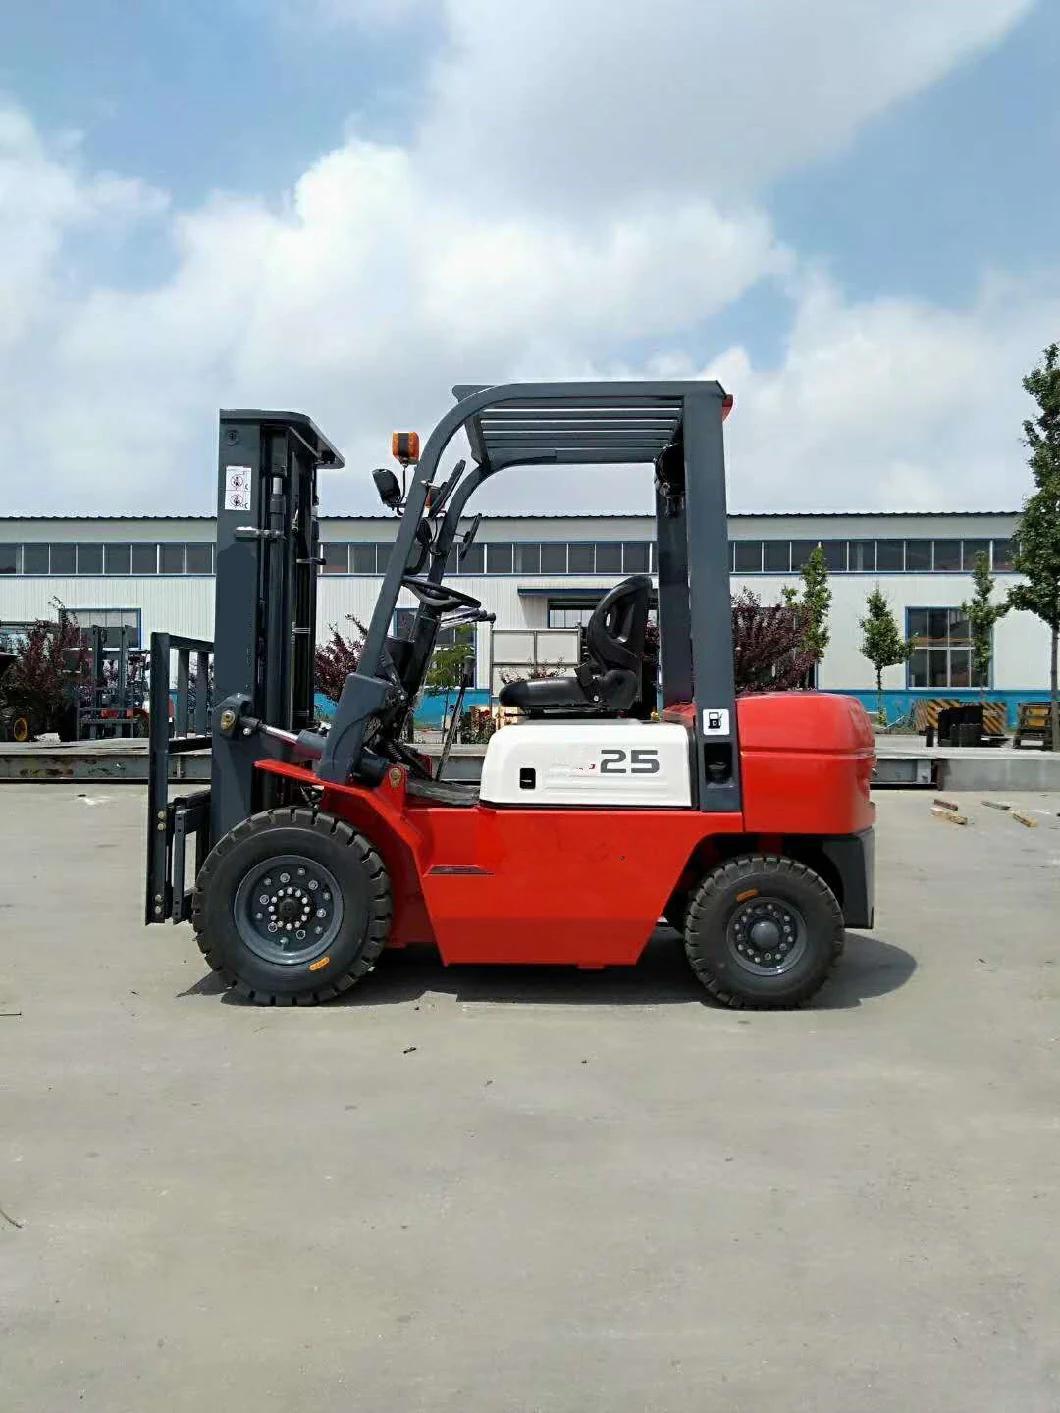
(586, 102)
(577, 214)
(889, 403)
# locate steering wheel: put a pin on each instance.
(439, 597)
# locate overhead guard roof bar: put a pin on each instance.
(603, 428)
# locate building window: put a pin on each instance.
(635, 557)
(972, 549)
(472, 561)
(947, 554)
(862, 557)
(1004, 555)
(498, 559)
(565, 613)
(116, 559)
(9, 559)
(942, 654)
(171, 559)
(143, 559)
(800, 552)
(112, 620)
(553, 557)
(917, 556)
(336, 558)
(581, 559)
(835, 556)
(890, 556)
(90, 559)
(198, 559)
(778, 556)
(748, 556)
(362, 559)
(608, 558)
(34, 559)
(528, 559)
(64, 559)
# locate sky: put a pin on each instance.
(845, 210)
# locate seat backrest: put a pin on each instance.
(614, 635)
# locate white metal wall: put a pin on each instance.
(184, 603)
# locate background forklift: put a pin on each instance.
(748, 824)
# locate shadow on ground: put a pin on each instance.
(869, 968)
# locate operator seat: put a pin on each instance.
(609, 681)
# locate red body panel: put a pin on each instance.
(556, 885)
(806, 761)
(586, 887)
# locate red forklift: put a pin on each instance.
(746, 824)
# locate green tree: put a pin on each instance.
(814, 601)
(1037, 555)
(447, 664)
(817, 599)
(881, 642)
(982, 615)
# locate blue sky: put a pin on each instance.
(884, 195)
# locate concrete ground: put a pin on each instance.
(508, 1190)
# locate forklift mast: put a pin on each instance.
(268, 552)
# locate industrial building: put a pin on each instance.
(541, 576)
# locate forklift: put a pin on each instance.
(112, 689)
(746, 824)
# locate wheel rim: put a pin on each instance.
(288, 909)
(767, 936)
(20, 729)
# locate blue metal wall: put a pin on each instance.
(896, 705)
(900, 704)
(429, 712)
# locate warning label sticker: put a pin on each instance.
(237, 488)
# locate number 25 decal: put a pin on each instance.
(641, 762)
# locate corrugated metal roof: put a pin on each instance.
(573, 515)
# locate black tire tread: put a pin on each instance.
(724, 877)
(382, 909)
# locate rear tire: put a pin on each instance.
(292, 907)
(763, 932)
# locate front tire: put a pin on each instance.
(763, 932)
(292, 907)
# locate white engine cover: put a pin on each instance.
(588, 763)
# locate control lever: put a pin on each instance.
(454, 720)
(445, 490)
